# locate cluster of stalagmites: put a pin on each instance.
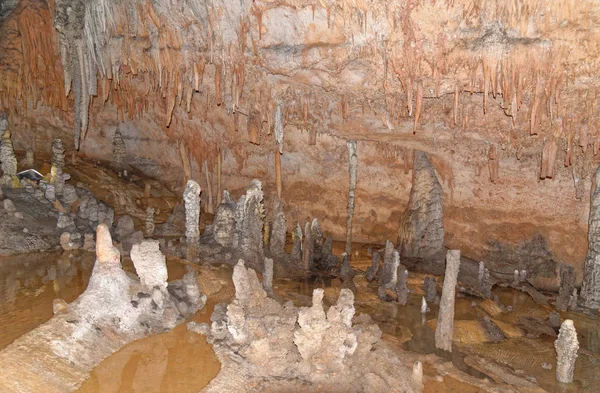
(239, 228)
(260, 341)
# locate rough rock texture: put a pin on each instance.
(590, 291)
(264, 345)
(421, 229)
(191, 198)
(150, 264)
(444, 330)
(58, 153)
(113, 311)
(278, 229)
(224, 223)
(566, 346)
(8, 161)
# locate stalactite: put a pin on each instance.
(209, 206)
(418, 106)
(352, 169)
(218, 97)
(278, 173)
(254, 126)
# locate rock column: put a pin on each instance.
(191, 198)
(444, 330)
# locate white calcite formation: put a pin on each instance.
(191, 199)
(566, 346)
(444, 330)
(150, 264)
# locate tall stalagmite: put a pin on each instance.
(352, 169)
(444, 330)
(590, 291)
(421, 230)
(7, 154)
(191, 198)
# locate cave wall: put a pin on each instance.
(502, 96)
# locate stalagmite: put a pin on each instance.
(483, 278)
(430, 288)
(417, 376)
(352, 169)
(219, 170)
(149, 221)
(373, 270)
(8, 161)
(566, 346)
(209, 206)
(401, 287)
(444, 330)
(590, 291)
(191, 198)
(307, 248)
(119, 151)
(278, 173)
(297, 246)
(224, 222)
(58, 162)
(423, 305)
(277, 241)
(268, 276)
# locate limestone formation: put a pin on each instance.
(444, 330)
(311, 349)
(430, 288)
(567, 285)
(417, 376)
(373, 270)
(150, 264)
(249, 218)
(353, 171)
(483, 278)
(307, 248)
(58, 153)
(8, 160)
(119, 151)
(149, 221)
(421, 231)
(191, 199)
(388, 270)
(566, 346)
(424, 306)
(268, 275)
(224, 223)
(277, 241)
(401, 287)
(590, 291)
(297, 245)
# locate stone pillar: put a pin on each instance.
(590, 291)
(58, 163)
(444, 330)
(191, 198)
(566, 346)
(352, 169)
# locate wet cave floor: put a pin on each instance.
(181, 361)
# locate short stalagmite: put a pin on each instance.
(191, 198)
(566, 346)
(444, 330)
